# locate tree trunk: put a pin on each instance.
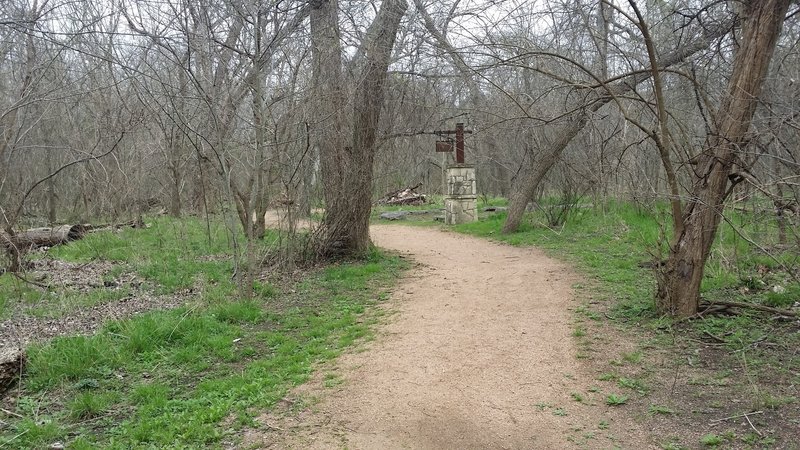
(347, 167)
(533, 170)
(175, 193)
(51, 191)
(679, 283)
(528, 180)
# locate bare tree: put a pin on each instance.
(714, 169)
(347, 140)
(589, 100)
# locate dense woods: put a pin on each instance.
(110, 110)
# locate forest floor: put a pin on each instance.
(545, 338)
(479, 353)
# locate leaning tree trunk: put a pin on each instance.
(533, 170)
(347, 168)
(679, 282)
(528, 181)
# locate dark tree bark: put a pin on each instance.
(679, 283)
(533, 170)
(347, 147)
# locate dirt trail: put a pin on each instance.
(480, 355)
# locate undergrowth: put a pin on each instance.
(188, 377)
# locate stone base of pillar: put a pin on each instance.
(460, 210)
(461, 201)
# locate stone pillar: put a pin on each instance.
(461, 201)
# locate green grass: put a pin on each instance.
(660, 410)
(616, 399)
(711, 440)
(173, 254)
(192, 376)
(13, 290)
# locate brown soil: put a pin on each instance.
(478, 355)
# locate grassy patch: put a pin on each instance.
(173, 379)
(616, 399)
(173, 254)
(13, 290)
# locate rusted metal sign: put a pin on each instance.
(447, 146)
(444, 146)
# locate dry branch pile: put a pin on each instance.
(406, 196)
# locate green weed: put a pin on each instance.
(616, 399)
(711, 440)
(660, 410)
(87, 405)
(633, 384)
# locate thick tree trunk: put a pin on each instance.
(347, 167)
(533, 170)
(679, 283)
(330, 127)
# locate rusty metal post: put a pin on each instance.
(459, 143)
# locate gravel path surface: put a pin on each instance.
(478, 355)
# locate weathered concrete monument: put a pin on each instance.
(461, 190)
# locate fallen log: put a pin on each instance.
(42, 237)
(135, 223)
(12, 362)
(416, 199)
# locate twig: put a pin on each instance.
(3, 444)
(43, 286)
(716, 338)
(12, 413)
(753, 426)
(281, 429)
(737, 416)
(783, 312)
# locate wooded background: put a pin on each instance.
(108, 109)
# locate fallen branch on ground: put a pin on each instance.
(737, 416)
(769, 309)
